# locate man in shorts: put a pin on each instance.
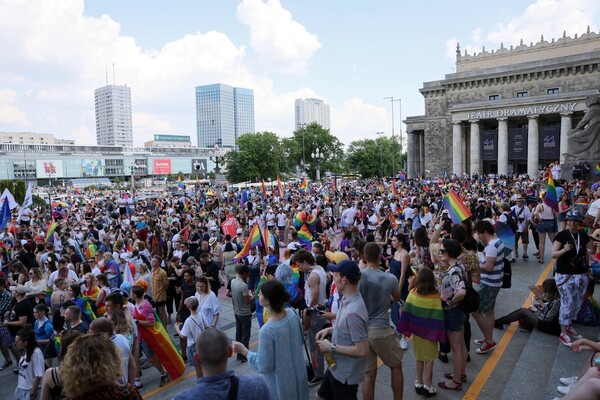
(376, 288)
(523, 216)
(349, 344)
(491, 267)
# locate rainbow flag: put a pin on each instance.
(551, 199)
(211, 193)
(262, 315)
(264, 191)
(402, 176)
(161, 344)
(456, 208)
(90, 251)
(197, 183)
(303, 186)
(312, 218)
(252, 241)
(61, 204)
(268, 238)
(128, 276)
(393, 222)
(280, 187)
(180, 183)
(202, 214)
(186, 206)
(299, 219)
(87, 314)
(597, 169)
(51, 230)
(423, 316)
(304, 237)
(394, 189)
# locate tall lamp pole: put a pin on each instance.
(133, 167)
(217, 156)
(197, 168)
(391, 98)
(317, 155)
(380, 155)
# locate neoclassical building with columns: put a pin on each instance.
(504, 111)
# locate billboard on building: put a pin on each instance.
(517, 144)
(91, 168)
(550, 142)
(49, 169)
(162, 167)
(489, 145)
(201, 164)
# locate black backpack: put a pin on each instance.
(511, 221)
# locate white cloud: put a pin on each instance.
(357, 119)
(543, 17)
(10, 114)
(83, 136)
(281, 41)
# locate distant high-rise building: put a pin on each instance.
(312, 110)
(223, 113)
(113, 116)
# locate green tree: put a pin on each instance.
(305, 141)
(171, 178)
(373, 157)
(260, 156)
(16, 187)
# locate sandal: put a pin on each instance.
(450, 375)
(444, 386)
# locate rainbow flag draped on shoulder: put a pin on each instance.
(252, 241)
(423, 316)
(304, 237)
(456, 208)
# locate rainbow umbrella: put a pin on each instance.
(505, 234)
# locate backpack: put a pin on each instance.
(511, 221)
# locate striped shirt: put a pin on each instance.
(495, 248)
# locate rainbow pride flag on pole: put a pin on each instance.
(252, 241)
(180, 183)
(303, 186)
(268, 238)
(280, 187)
(456, 208)
(551, 199)
(597, 169)
(394, 189)
(51, 230)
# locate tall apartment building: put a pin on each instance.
(312, 110)
(223, 113)
(113, 116)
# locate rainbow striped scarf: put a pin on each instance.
(423, 316)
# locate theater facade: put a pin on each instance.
(504, 111)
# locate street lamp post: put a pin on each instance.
(196, 168)
(391, 98)
(217, 156)
(380, 154)
(133, 167)
(50, 172)
(317, 155)
(400, 135)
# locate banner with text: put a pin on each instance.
(550, 142)
(517, 144)
(489, 145)
(161, 167)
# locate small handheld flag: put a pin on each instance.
(180, 183)
(252, 241)
(457, 210)
(551, 199)
(280, 186)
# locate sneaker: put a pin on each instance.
(565, 339)
(486, 347)
(164, 379)
(564, 389)
(139, 386)
(573, 332)
(443, 358)
(6, 364)
(419, 388)
(525, 256)
(315, 381)
(428, 391)
(403, 344)
(479, 342)
(569, 381)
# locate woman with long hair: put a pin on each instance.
(59, 296)
(279, 357)
(30, 369)
(208, 304)
(19, 274)
(36, 287)
(43, 329)
(90, 288)
(93, 365)
(51, 383)
(400, 267)
(452, 292)
(102, 293)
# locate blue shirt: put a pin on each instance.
(216, 387)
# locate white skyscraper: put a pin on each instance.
(312, 110)
(113, 116)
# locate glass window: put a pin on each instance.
(494, 97)
(552, 91)
(522, 94)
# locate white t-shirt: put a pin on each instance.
(123, 345)
(72, 277)
(28, 371)
(193, 326)
(281, 219)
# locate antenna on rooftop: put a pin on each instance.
(106, 67)
(113, 73)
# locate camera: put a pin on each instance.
(315, 310)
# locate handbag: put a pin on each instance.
(470, 303)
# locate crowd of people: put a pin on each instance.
(342, 273)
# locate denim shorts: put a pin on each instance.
(454, 319)
(546, 226)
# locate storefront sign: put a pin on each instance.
(489, 145)
(550, 142)
(517, 144)
(522, 111)
(162, 167)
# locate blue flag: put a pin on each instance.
(4, 214)
(243, 198)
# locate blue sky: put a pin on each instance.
(349, 53)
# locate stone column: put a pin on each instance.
(566, 123)
(422, 150)
(533, 143)
(410, 155)
(475, 161)
(457, 148)
(502, 146)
